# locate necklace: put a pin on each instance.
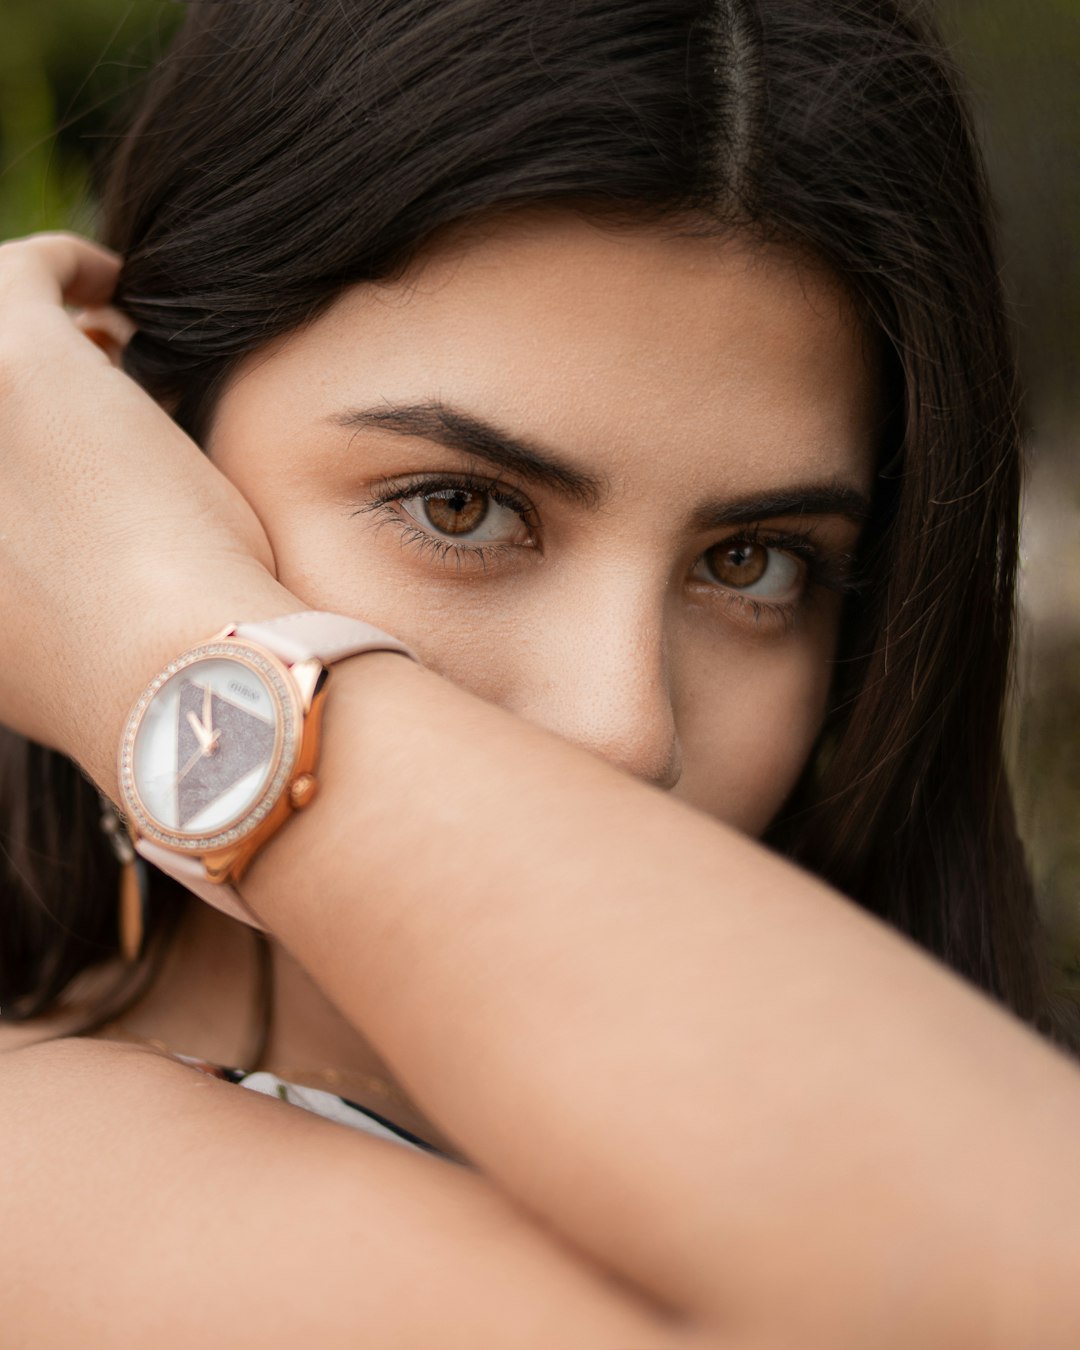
(339, 1081)
(350, 1080)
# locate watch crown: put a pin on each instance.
(302, 790)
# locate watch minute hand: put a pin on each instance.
(190, 764)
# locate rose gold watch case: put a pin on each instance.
(299, 693)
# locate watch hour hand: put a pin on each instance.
(207, 739)
(201, 733)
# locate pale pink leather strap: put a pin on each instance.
(191, 873)
(313, 632)
(292, 637)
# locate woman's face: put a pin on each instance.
(608, 479)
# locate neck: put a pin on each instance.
(205, 1004)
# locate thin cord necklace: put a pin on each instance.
(339, 1081)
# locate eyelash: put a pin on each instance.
(826, 569)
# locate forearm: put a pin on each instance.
(718, 1078)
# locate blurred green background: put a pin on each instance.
(67, 68)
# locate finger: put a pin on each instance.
(108, 328)
(59, 266)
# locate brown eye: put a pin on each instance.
(738, 565)
(467, 516)
(752, 568)
(455, 511)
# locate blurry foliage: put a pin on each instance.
(69, 68)
(1022, 60)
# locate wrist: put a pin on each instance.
(222, 746)
(368, 697)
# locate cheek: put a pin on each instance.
(748, 734)
(334, 561)
(326, 556)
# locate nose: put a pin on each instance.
(599, 677)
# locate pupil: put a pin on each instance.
(456, 511)
(738, 564)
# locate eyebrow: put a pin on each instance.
(470, 435)
(461, 431)
(813, 499)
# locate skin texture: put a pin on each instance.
(673, 370)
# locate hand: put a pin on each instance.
(120, 542)
(207, 740)
(192, 761)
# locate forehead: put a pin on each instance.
(628, 347)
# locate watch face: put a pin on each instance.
(209, 746)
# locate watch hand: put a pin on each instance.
(190, 764)
(200, 731)
(207, 710)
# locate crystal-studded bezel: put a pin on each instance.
(287, 741)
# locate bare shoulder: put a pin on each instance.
(190, 1211)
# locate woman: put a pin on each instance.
(641, 367)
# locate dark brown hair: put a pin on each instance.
(283, 151)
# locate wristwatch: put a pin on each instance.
(221, 747)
